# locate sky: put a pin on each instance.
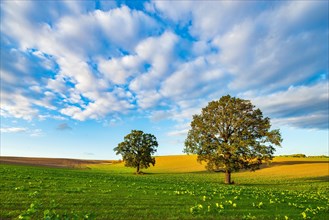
(77, 76)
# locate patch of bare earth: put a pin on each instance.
(52, 162)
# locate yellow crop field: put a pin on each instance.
(287, 167)
(296, 167)
(164, 164)
(177, 164)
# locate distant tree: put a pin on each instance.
(230, 134)
(137, 150)
(294, 155)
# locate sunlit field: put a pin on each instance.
(176, 188)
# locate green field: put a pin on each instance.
(176, 188)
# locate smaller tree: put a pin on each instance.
(137, 150)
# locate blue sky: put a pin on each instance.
(77, 76)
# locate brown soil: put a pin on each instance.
(53, 162)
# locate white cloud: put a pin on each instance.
(16, 104)
(180, 130)
(160, 115)
(259, 51)
(114, 121)
(178, 133)
(158, 52)
(46, 101)
(302, 106)
(148, 99)
(178, 13)
(7, 77)
(35, 88)
(235, 45)
(117, 70)
(311, 121)
(79, 72)
(123, 21)
(57, 84)
(312, 98)
(36, 133)
(13, 130)
(297, 16)
(73, 112)
(73, 42)
(45, 61)
(98, 109)
(193, 79)
(56, 117)
(31, 133)
(208, 18)
(273, 61)
(89, 64)
(260, 43)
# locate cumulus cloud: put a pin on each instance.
(156, 52)
(195, 78)
(117, 70)
(208, 19)
(254, 45)
(97, 109)
(95, 60)
(133, 25)
(17, 105)
(74, 80)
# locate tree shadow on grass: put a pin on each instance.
(288, 163)
(297, 162)
(179, 173)
(318, 179)
(296, 181)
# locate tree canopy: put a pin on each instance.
(137, 150)
(231, 134)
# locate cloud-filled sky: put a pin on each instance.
(76, 76)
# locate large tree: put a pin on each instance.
(231, 134)
(137, 150)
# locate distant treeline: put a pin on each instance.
(303, 156)
(320, 156)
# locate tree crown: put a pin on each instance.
(231, 134)
(137, 149)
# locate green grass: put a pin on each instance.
(113, 192)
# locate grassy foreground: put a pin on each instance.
(176, 188)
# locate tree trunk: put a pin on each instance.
(137, 169)
(228, 177)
